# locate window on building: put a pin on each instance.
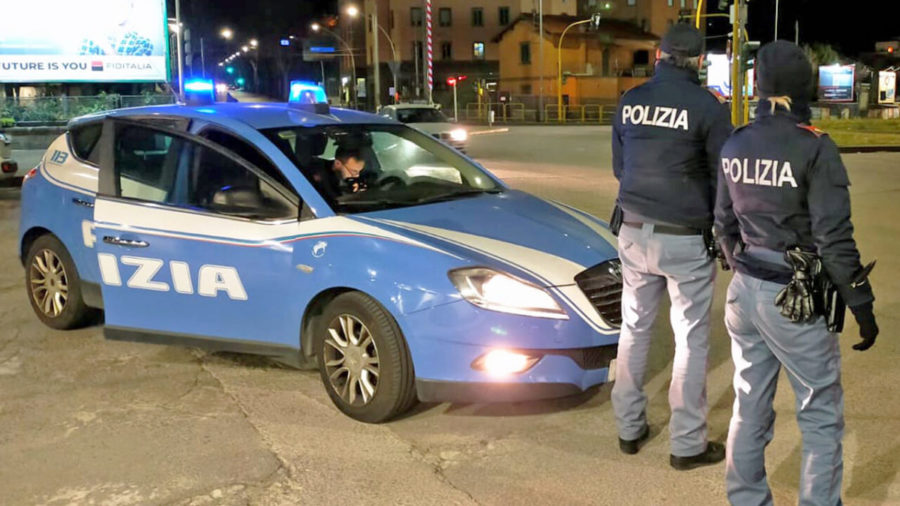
(526, 89)
(415, 16)
(642, 57)
(671, 3)
(419, 50)
(504, 16)
(477, 16)
(634, 2)
(445, 16)
(682, 3)
(525, 53)
(478, 50)
(446, 51)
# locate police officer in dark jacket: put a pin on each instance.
(667, 136)
(783, 187)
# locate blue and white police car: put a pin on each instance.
(231, 227)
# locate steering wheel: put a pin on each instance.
(391, 182)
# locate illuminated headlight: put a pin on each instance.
(498, 291)
(504, 362)
(459, 135)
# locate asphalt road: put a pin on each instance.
(86, 421)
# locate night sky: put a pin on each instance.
(851, 26)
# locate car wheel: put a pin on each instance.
(363, 359)
(53, 285)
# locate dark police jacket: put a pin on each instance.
(666, 140)
(782, 184)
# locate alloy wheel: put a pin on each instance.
(49, 283)
(351, 360)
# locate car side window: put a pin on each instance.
(146, 162)
(247, 152)
(84, 142)
(213, 182)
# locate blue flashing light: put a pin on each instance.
(285, 42)
(199, 92)
(199, 85)
(322, 49)
(303, 92)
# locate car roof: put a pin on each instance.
(256, 115)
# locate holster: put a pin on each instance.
(615, 221)
(709, 240)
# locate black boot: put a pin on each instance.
(631, 446)
(715, 452)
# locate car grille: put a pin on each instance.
(442, 136)
(597, 357)
(602, 284)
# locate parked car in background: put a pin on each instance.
(431, 120)
(9, 169)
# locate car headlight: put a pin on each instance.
(504, 362)
(459, 135)
(498, 291)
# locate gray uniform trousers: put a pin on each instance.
(652, 263)
(762, 342)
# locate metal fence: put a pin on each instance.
(518, 112)
(63, 108)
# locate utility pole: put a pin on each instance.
(776, 20)
(737, 63)
(376, 86)
(540, 110)
(180, 44)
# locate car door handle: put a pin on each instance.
(128, 243)
(84, 203)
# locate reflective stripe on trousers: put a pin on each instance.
(651, 264)
(762, 342)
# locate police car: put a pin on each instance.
(207, 225)
(429, 119)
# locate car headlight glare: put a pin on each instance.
(459, 135)
(498, 291)
(504, 362)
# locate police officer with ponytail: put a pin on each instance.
(783, 221)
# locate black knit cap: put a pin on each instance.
(783, 69)
(682, 40)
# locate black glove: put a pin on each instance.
(796, 299)
(868, 329)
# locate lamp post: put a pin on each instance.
(178, 40)
(316, 27)
(559, 100)
(396, 66)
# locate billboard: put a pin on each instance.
(887, 87)
(718, 76)
(836, 83)
(94, 41)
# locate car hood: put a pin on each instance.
(512, 230)
(434, 128)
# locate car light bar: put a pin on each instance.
(199, 92)
(308, 96)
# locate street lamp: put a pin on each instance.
(352, 11)
(254, 43)
(595, 19)
(316, 27)
(245, 48)
(226, 33)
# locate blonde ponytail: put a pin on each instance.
(783, 101)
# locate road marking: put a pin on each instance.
(491, 131)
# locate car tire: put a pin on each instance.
(359, 343)
(54, 286)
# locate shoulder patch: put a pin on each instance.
(715, 93)
(818, 132)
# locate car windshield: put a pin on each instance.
(359, 168)
(421, 115)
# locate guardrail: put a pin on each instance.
(64, 108)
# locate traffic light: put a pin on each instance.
(240, 81)
(229, 69)
(748, 54)
(451, 81)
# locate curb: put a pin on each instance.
(869, 149)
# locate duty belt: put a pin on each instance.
(666, 229)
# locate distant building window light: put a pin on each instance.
(634, 2)
(478, 50)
